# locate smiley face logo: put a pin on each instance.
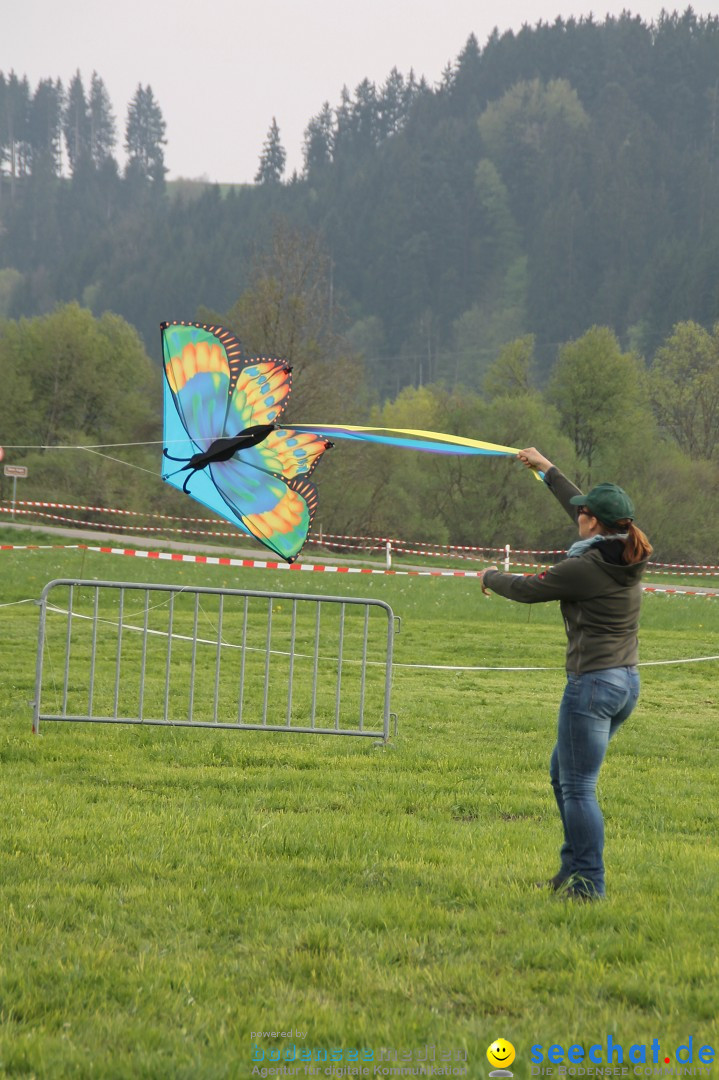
(500, 1054)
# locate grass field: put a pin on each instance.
(168, 895)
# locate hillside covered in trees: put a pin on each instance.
(528, 252)
(558, 178)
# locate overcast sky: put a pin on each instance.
(221, 69)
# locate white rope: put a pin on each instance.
(95, 448)
(334, 659)
(110, 457)
(83, 446)
(642, 663)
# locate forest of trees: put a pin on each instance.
(526, 253)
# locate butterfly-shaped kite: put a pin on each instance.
(222, 413)
(221, 409)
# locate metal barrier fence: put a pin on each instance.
(135, 653)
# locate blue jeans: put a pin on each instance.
(593, 708)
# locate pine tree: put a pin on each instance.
(319, 137)
(272, 158)
(14, 145)
(76, 123)
(102, 122)
(45, 127)
(145, 137)
(364, 116)
(391, 104)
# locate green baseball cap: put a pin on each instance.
(607, 502)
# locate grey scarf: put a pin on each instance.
(580, 546)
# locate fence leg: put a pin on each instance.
(389, 554)
(506, 558)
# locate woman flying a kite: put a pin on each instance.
(598, 587)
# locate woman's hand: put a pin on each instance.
(485, 590)
(532, 458)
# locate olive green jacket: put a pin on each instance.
(599, 595)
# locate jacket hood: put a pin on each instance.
(621, 572)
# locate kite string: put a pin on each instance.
(110, 457)
(82, 446)
(96, 448)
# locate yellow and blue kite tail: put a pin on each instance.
(433, 442)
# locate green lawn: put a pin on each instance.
(166, 893)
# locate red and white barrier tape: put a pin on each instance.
(415, 547)
(115, 526)
(331, 540)
(256, 564)
(267, 564)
